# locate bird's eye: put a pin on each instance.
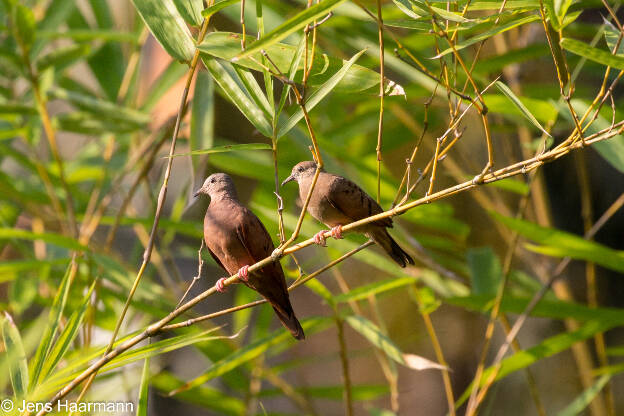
(212, 180)
(300, 169)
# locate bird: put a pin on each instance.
(337, 201)
(236, 238)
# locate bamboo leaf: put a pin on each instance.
(561, 244)
(363, 292)
(612, 35)
(544, 349)
(592, 53)
(63, 56)
(202, 115)
(579, 404)
(291, 25)
(16, 357)
(317, 96)
(205, 396)
(227, 148)
(162, 347)
(191, 10)
(101, 107)
(56, 239)
(491, 32)
(168, 27)
(224, 75)
(249, 352)
(54, 319)
(373, 334)
(226, 45)
(516, 101)
(208, 12)
(611, 150)
(292, 72)
(68, 335)
(485, 270)
(143, 389)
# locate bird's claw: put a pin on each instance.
(243, 273)
(219, 285)
(319, 238)
(336, 232)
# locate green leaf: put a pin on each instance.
(363, 292)
(191, 10)
(360, 392)
(611, 150)
(16, 357)
(56, 239)
(512, 185)
(102, 108)
(202, 115)
(205, 396)
(85, 35)
(612, 35)
(547, 348)
(62, 57)
(54, 319)
(591, 53)
(485, 271)
(143, 389)
(226, 77)
(208, 12)
(228, 148)
(491, 32)
(161, 347)
(168, 27)
(23, 26)
(66, 338)
(561, 244)
(291, 25)
(579, 404)
(255, 92)
(373, 334)
(516, 101)
(292, 73)
(249, 352)
(226, 45)
(317, 96)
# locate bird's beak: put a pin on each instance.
(197, 193)
(288, 179)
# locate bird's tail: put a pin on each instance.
(382, 238)
(289, 320)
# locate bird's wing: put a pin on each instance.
(353, 202)
(258, 244)
(216, 259)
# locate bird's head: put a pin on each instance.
(301, 170)
(216, 184)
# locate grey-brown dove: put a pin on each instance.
(236, 238)
(337, 201)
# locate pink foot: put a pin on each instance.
(319, 238)
(219, 285)
(336, 232)
(243, 273)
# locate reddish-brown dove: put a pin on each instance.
(236, 238)
(336, 201)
